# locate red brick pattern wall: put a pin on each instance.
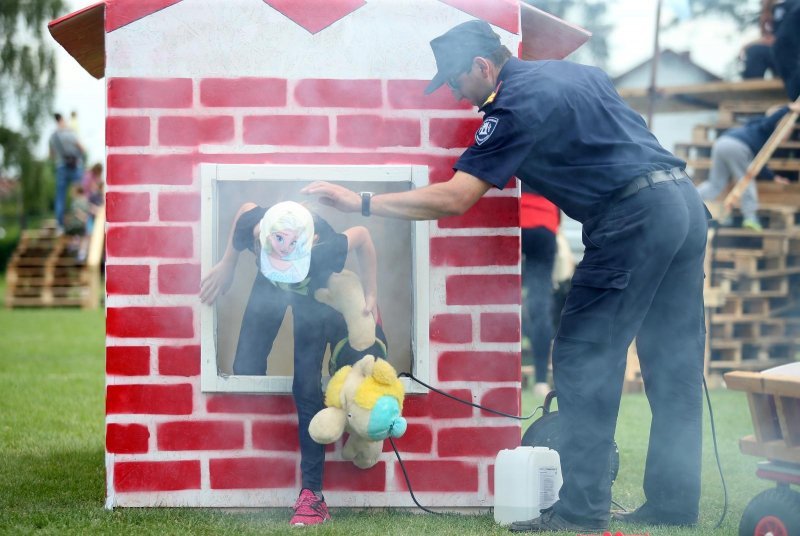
(165, 438)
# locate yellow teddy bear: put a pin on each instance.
(366, 400)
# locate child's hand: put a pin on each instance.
(217, 282)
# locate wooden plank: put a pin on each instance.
(775, 164)
(707, 144)
(748, 365)
(46, 302)
(751, 382)
(48, 261)
(776, 273)
(764, 342)
(782, 385)
(788, 408)
(748, 294)
(705, 96)
(765, 419)
(33, 281)
(704, 129)
(772, 450)
(751, 262)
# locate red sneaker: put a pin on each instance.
(309, 510)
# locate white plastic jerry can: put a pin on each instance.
(526, 480)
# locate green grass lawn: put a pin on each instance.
(52, 467)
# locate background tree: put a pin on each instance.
(743, 12)
(27, 87)
(589, 14)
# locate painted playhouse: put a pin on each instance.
(212, 103)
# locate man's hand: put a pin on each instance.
(334, 195)
(794, 107)
(780, 179)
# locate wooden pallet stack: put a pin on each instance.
(753, 287)
(45, 270)
(756, 324)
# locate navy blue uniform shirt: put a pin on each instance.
(562, 128)
(755, 134)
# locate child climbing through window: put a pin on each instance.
(296, 251)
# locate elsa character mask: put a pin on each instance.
(286, 234)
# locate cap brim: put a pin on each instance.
(437, 82)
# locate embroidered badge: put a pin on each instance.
(486, 130)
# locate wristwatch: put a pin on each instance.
(366, 197)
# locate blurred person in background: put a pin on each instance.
(539, 220)
(67, 155)
(93, 190)
(731, 155)
(756, 56)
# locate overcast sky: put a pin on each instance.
(712, 45)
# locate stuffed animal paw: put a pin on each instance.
(364, 335)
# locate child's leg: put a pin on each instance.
(310, 340)
(260, 324)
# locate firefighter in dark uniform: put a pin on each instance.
(563, 129)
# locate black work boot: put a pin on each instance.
(649, 515)
(550, 521)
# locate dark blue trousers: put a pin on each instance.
(757, 61)
(641, 276)
(65, 177)
(315, 325)
(786, 49)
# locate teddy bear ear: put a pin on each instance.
(365, 365)
(334, 390)
(384, 372)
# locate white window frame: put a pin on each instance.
(212, 174)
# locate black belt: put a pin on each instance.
(654, 177)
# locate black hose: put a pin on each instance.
(467, 402)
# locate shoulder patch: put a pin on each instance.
(486, 130)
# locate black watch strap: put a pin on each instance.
(366, 197)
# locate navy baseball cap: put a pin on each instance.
(455, 49)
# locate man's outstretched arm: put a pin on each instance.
(431, 202)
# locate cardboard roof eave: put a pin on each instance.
(546, 37)
(83, 36)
